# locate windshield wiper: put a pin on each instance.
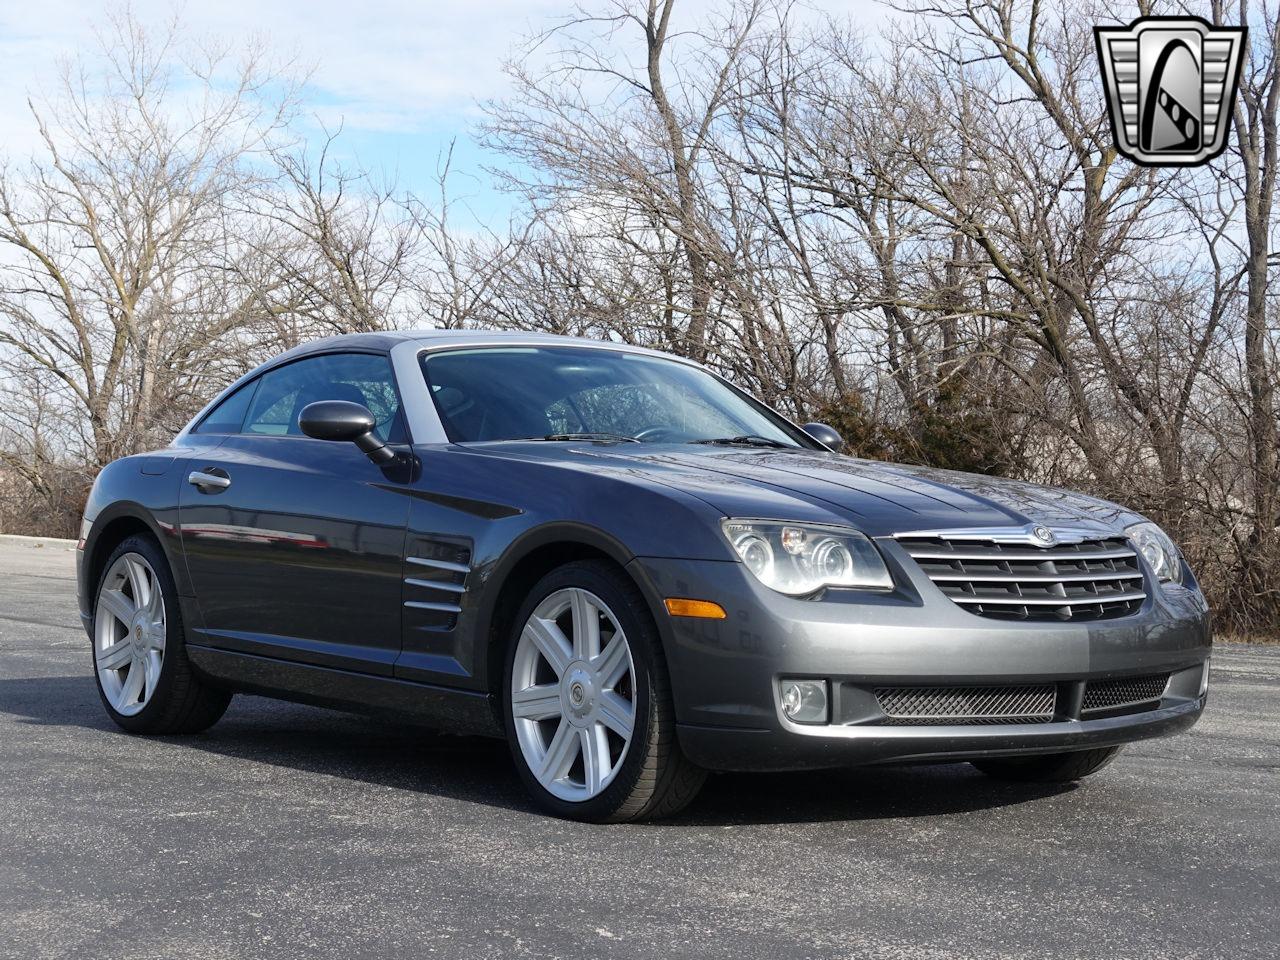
(614, 437)
(746, 440)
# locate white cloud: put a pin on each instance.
(401, 76)
(391, 64)
(384, 65)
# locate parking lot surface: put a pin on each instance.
(292, 831)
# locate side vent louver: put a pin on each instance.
(437, 581)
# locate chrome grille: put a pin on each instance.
(1089, 579)
(1100, 695)
(967, 705)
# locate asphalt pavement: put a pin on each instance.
(290, 831)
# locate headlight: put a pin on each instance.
(799, 558)
(1160, 552)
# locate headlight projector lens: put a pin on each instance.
(832, 559)
(756, 554)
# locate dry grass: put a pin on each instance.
(1229, 636)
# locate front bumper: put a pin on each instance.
(725, 673)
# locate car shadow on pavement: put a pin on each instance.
(307, 739)
(855, 793)
(479, 769)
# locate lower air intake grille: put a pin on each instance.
(1102, 695)
(905, 706)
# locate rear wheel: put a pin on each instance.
(588, 703)
(139, 647)
(1050, 767)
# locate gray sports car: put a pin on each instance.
(628, 568)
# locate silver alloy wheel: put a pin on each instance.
(129, 633)
(573, 694)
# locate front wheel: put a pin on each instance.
(1050, 767)
(587, 701)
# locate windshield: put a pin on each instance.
(515, 393)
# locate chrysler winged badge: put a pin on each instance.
(1170, 84)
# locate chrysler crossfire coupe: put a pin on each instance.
(628, 568)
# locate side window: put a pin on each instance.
(228, 416)
(359, 377)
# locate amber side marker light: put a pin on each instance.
(678, 607)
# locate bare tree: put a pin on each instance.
(1257, 143)
(641, 147)
(114, 237)
(343, 242)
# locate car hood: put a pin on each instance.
(879, 498)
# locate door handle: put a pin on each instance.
(207, 481)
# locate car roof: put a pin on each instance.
(385, 340)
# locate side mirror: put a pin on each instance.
(344, 420)
(825, 435)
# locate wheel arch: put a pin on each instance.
(112, 527)
(529, 559)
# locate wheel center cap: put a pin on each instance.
(142, 632)
(579, 693)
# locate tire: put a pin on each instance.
(576, 707)
(166, 696)
(1049, 767)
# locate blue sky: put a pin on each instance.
(403, 77)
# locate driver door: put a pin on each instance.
(294, 551)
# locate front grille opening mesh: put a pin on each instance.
(1104, 695)
(1091, 580)
(907, 706)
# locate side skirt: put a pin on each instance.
(457, 711)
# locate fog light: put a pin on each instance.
(805, 701)
(1204, 679)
